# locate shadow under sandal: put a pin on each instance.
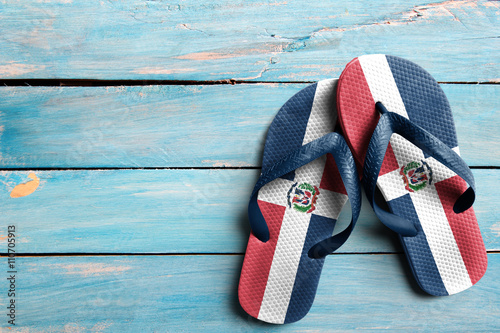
(399, 126)
(308, 173)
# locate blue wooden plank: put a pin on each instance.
(199, 293)
(243, 40)
(179, 126)
(172, 211)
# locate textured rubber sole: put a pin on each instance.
(278, 280)
(448, 254)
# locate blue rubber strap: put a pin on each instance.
(334, 144)
(388, 124)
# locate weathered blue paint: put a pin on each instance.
(173, 211)
(204, 211)
(243, 40)
(183, 126)
(198, 293)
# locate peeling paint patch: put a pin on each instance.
(206, 56)
(14, 69)
(278, 3)
(92, 269)
(225, 55)
(100, 326)
(72, 328)
(27, 188)
(490, 4)
(495, 229)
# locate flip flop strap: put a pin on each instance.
(334, 144)
(388, 124)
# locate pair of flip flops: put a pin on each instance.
(398, 129)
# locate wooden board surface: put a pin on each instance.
(183, 126)
(72, 158)
(243, 40)
(173, 211)
(199, 293)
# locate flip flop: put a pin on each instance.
(308, 173)
(399, 126)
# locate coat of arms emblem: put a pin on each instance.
(416, 175)
(303, 197)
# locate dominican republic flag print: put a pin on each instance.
(278, 279)
(448, 255)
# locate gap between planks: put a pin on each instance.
(480, 167)
(89, 254)
(112, 83)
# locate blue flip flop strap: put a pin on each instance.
(390, 123)
(334, 144)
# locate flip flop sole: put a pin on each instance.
(448, 254)
(278, 280)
